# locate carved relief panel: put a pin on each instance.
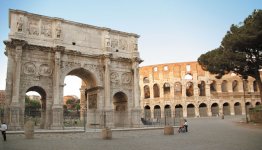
(20, 24)
(46, 29)
(33, 26)
(118, 42)
(33, 68)
(121, 79)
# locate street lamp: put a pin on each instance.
(243, 79)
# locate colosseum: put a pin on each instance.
(186, 90)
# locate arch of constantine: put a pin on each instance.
(185, 90)
(43, 50)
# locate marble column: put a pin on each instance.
(57, 107)
(107, 100)
(15, 112)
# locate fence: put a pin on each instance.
(256, 114)
(116, 120)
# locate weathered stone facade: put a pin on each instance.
(185, 90)
(43, 50)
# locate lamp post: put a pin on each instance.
(245, 98)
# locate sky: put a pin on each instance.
(170, 30)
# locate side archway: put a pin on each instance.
(120, 109)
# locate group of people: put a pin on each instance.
(3, 129)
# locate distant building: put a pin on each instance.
(34, 97)
(67, 97)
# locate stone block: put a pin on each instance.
(106, 134)
(168, 130)
(29, 130)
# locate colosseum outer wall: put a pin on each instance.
(185, 90)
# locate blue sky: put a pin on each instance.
(171, 30)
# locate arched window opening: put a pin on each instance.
(147, 111)
(202, 88)
(237, 108)
(157, 112)
(203, 110)
(214, 109)
(156, 90)
(190, 110)
(189, 89)
(255, 86)
(226, 109)
(224, 86)
(178, 89)
(245, 82)
(178, 111)
(235, 86)
(167, 111)
(146, 92)
(146, 80)
(213, 86)
(166, 89)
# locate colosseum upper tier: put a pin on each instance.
(186, 90)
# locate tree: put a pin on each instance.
(240, 51)
(31, 106)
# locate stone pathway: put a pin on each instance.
(204, 134)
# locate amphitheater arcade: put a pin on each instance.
(185, 90)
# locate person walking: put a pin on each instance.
(186, 125)
(3, 130)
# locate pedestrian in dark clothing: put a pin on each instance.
(186, 125)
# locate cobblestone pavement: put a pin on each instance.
(204, 134)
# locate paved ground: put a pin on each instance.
(204, 134)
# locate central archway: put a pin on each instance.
(88, 100)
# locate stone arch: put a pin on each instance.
(203, 110)
(215, 109)
(90, 99)
(255, 86)
(167, 111)
(42, 114)
(178, 89)
(257, 103)
(92, 71)
(166, 88)
(146, 91)
(245, 85)
(147, 111)
(156, 90)
(191, 110)
(178, 111)
(235, 86)
(120, 101)
(157, 112)
(189, 89)
(202, 88)
(146, 80)
(213, 86)
(90, 77)
(224, 86)
(237, 108)
(226, 108)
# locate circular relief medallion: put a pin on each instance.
(45, 70)
(29, 68)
